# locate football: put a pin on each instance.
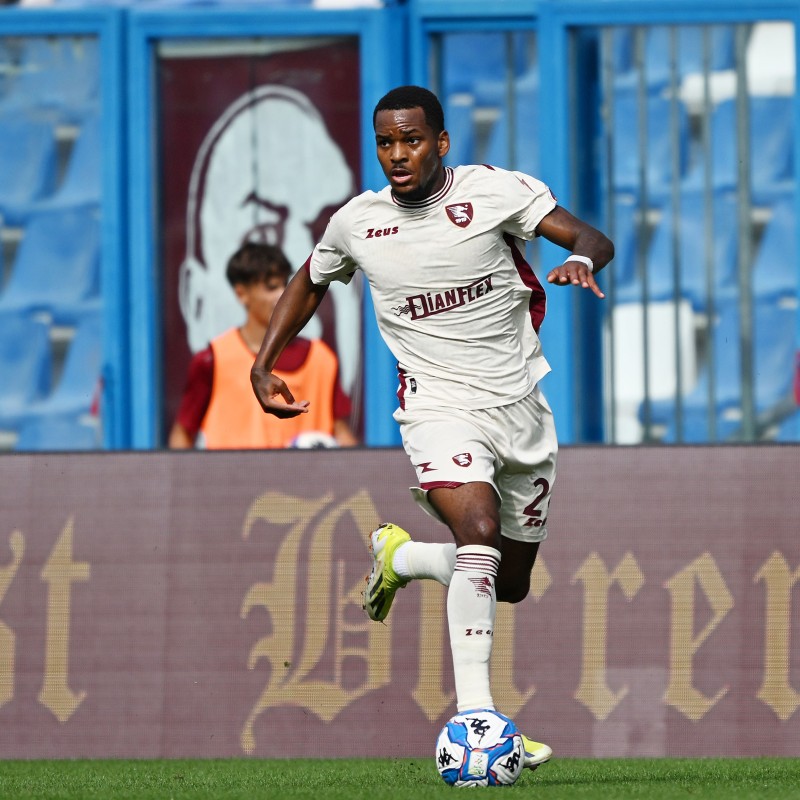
(480, 748)
(313, 440)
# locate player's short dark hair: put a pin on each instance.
(413, 97)
(254, 262)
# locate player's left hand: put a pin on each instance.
(574, 273)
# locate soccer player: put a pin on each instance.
(460, 309)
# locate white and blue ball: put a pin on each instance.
(480, 748)
(313, 440)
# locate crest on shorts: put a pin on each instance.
(463, 459)
(460, 214)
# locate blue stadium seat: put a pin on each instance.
(25, 365)
(459, 117)
(77, 392)
(723, 411)
(526, 128)
(625, 234)
(789, 429)
(7, 63)
(28, 165)
(771, 149)
(622, 49)
(657, 51)
(625, 144)
(690, 51)
(774, 353)
(57, 265)
(461, 69)
(82, 184)
(692, 235)
(775, 350)
(61, 433)
(176, 3)
(56, 74)
(775, 268)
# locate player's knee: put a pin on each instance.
(483, 530)
(514, 592)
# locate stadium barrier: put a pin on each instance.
(187, 605)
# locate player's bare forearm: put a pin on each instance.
(577, 236)
(581, 239)
(295, 308)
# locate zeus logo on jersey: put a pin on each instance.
(372, 233)
(425, 305)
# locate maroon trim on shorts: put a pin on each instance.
(428, 485)
(538, 302)
(401, 389)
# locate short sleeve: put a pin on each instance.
(197, 394)
(530, 201)
(331, 259)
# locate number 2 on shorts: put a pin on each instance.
(534, 514)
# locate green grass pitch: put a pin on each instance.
(394, 779)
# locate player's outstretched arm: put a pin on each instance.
(295, 308)
(581, 239)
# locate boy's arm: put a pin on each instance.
(179, 438)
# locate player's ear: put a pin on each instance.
(444, 144)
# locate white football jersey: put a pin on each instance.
(455, 300)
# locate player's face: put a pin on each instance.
(260, 299)
(410, 153)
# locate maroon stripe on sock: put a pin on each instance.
(477, 562)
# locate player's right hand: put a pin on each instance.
(274, 395)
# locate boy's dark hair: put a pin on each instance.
(413, 97)
(254, 262)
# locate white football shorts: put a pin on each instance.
(513, 448)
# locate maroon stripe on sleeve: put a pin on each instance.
(538, 302)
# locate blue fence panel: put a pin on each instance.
(563, 28)
(65, 67)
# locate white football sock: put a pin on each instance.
(424, 560)
(471, 603)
